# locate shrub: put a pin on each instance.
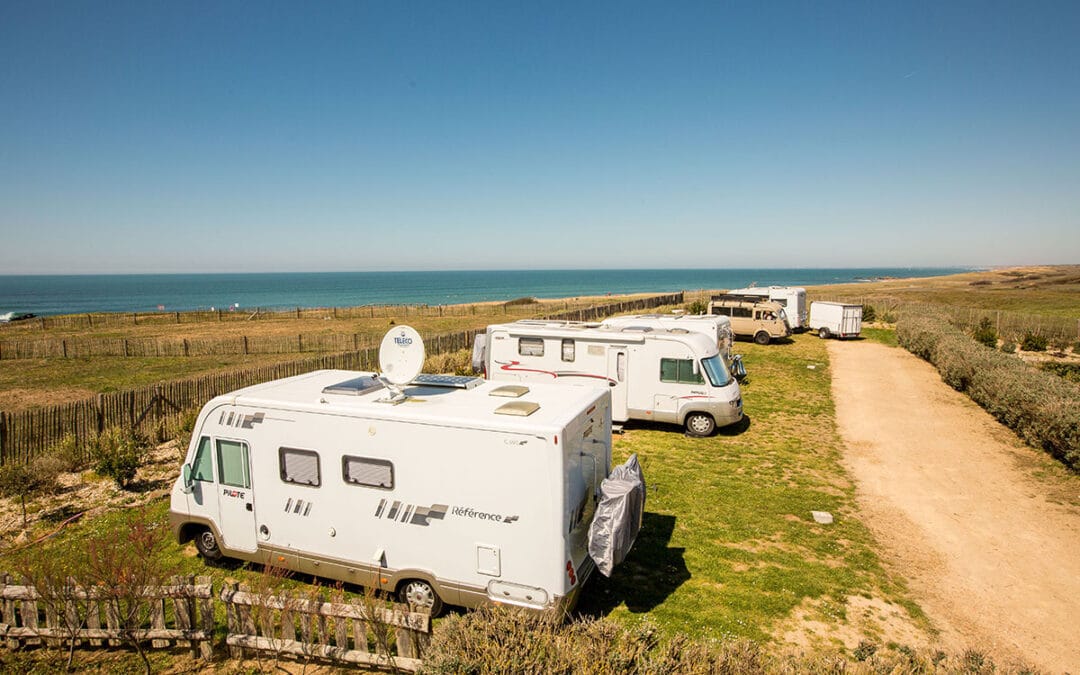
(69, 454)
(118, 455)
(29, 480)
(1008, 347)
(985, 333)
(697, 307)
(1033, 342)
(869, 314)
(1041, 408)
(888, 317)
(521, 301)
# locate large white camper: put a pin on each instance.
(791, 298)
(658, 375)
(717, 327)
(439, 489)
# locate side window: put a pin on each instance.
(202, 468)
(531, 346)
(722, 311)
(744, 312)
(620, 366)
(780, 301)
(376, 473)
(679, 370)
(300, 467)
(568, 349)
(232, 457)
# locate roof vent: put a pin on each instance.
(354, 387)
(451, 381)
(517, 408)
(510, 391)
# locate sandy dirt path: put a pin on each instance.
(960, 510)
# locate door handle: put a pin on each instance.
(248, 507)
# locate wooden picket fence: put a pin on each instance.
(353, 632)
(29, 433)
(30, 619)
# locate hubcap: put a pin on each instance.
(208, 541)
(420, 595)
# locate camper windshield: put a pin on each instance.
(716, 370)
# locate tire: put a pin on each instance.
(207, 544)
(761, 337)
(418, 594)
(700, 424)
(823, 333)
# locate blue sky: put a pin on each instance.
(263, 136)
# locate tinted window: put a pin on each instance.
(531, 346)
(377, 473)
(203, 466)
(232, 459)
(679, 370)
(300, 467)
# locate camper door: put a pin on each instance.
(223, 469)
(617, 368)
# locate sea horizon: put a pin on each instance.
(54, 294)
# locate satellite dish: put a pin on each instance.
(401, 355)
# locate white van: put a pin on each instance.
(452, 490)
(835, 319)
(657, 375)
(716, 327)
(791, 298)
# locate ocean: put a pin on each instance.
(46, 295)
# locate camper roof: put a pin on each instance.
(352, 393)
(604, 333)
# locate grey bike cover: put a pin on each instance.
(618, 516)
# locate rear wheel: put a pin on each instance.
(419, 594)
(700, 424)
(761, 337)
(207, 544)
(823, 332)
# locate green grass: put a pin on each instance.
(885, 336)
(729, 546)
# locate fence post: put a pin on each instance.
(63, 343)
(3, 434)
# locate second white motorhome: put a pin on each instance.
(677, 377)
(791, 298)
(716, 327)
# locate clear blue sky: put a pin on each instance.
(262, 136)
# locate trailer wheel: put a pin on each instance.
(823, 333)
(761, 337)
(700, 424)
(419, 594)
(206, 543)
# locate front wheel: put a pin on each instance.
(761, 337)
(207, 544)
(700, 424)
(823, 333)
(419, 594)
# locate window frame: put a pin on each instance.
(536, 346)
(282, 450)
(373, 460)
(246, 458)
(205, 449)
(568, 342)
(679, 365)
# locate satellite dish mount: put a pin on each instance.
(401, 358)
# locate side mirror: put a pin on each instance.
(189, 482)
(697, 368)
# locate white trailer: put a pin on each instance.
(657, 375)
(791, 298)
(835, 319)
(451, 490)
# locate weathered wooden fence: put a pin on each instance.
(356, 632)
(26, 434)
(76, 347)
(85, 615)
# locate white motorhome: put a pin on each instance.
(835, 319)
(791, 298)
(717, 327)
(446, 490)
(657, 375)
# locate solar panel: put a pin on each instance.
(452, 381)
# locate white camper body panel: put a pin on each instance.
(716, 327)
(791, 298)
(656, 375)
(835, 319)
(439, 488)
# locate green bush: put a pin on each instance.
(1008, 347)
(697, 307)
(1033, 342)
(69, 454)
(118, 455)
(1040, 407)
(985, 333)
(26, 481)
(869, 314)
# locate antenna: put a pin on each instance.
(401, 358)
